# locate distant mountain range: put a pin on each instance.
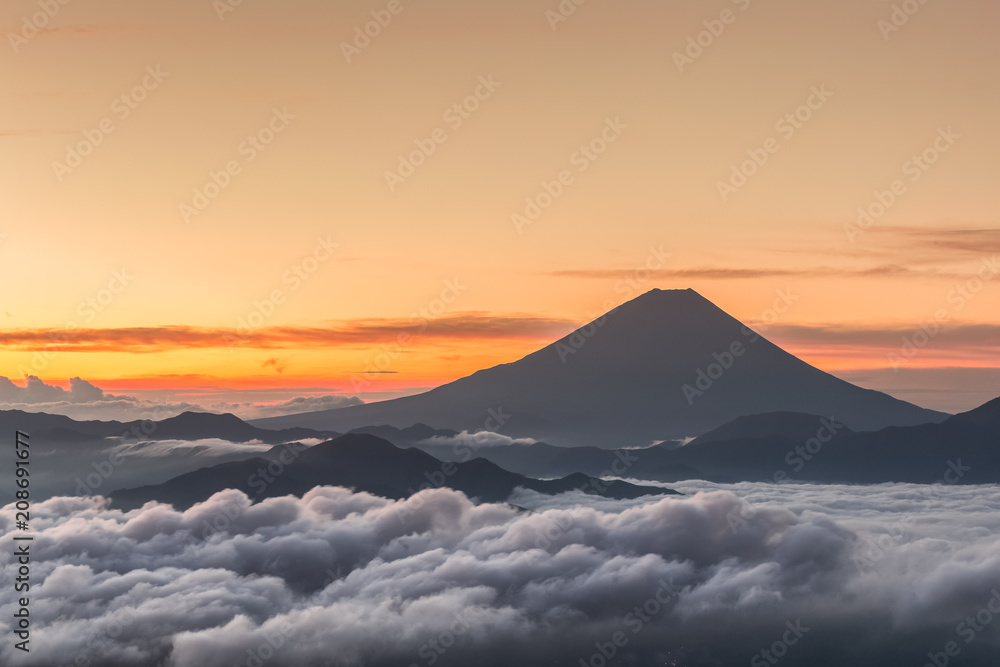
(365, 463)
(666, 365)
(187, 426)
(782, 447)
(83, 457)
(394, 462)
(621, 397)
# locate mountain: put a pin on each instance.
(402, 437)
(37, 422)
(544, 460)
(790, 425)
(985, 415)
(85, 457)
(786, 447)
(200, 425)
(366, 463)
(963, 449)
(46, 427)
(665, 365)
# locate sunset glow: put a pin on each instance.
(191, 200)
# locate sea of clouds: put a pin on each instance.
(752, 574)
(84, 400)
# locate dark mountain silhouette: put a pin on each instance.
(784, 447)
(665, 365)
(366, 463)
(544, 460)
(985, 415)
(44, 427)
(405, 436)
(38, 422)
(791, 425)
(85, 457)
(199, 425)
(926, 453)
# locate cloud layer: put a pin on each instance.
(84, 400)
(476, 440)
(364, 332)
(37, 391)
(854, 575)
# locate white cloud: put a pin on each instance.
(207, 447)
(290, 407)
(884, 573)
(477, 440)
(84, 400)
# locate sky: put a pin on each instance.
(217, 201)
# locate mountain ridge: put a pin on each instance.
(367, 463)
(669, 364)
(188, 425)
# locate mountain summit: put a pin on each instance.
(667, 364)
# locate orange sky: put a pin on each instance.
(308, 262)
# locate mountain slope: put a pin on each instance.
(787, 447)
(963, 449)
(366, 463)
(185, 426)
(668, 364)
(791, 425)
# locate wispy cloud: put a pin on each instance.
(885, 245)
(469, 325)
(835, 335)
(965, 240)
(731, 273)
(90, 29)
(34, 132)
(85, 400)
